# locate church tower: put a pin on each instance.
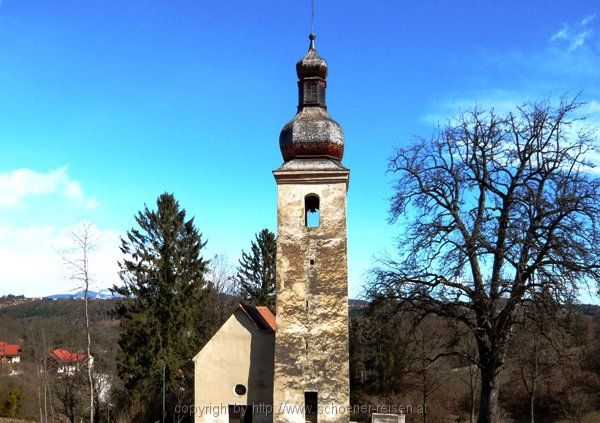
(311, 342)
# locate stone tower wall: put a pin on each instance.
(311, 347)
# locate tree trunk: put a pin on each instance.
(46, 389)
(488, 401)
(39, 389)
(532, 407)
(473, 379)
(425, 391)
(472, 411)
(424, 407)
(89, 356)
(534, 373)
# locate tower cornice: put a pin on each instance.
(312, 171)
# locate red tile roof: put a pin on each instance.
(261, 316)
(67, 356)
(267, 316)
(9, 350)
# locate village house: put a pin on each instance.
(68, 362)
(10, 353)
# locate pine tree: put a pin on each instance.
(14, 401)
(165, 310)
(256, 271)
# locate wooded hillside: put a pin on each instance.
(392, 361)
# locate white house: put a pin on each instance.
(10, 353)
(69, 362)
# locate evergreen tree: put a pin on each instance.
(14, 401)
(165, 310)
(256, 271)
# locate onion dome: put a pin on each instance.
(311, 65)
(312, 132)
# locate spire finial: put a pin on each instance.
(312, 35)
(312, 16)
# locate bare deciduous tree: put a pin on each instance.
(225, 289)
(539, 345)
(222, 275)
(466, 349)
(78, 261)
(497, 208)
(427, 349)
(37, 347)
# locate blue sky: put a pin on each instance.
(106, 104)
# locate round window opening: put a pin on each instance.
(240, 389)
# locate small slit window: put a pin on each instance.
(312, 217)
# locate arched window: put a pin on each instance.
(312, 217)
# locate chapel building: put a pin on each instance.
(294, 367)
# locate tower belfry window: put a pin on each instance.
(310, 92)
(312, 217)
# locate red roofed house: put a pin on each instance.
(10, 353)
(67, 361)
(235, 369)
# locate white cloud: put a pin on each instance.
(32, 264)
(588, 19)
(512, 76)
(594, 159)
(17, 185)
(575, 35)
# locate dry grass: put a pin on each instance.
(589, 418)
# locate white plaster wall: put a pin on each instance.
(226, 361)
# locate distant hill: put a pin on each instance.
(101, 295)
(354, 304)
(22, 307)
(68, 308)
(590, 310)
(12, 299)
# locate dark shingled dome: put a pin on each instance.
(311, 65)
(312, 132)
